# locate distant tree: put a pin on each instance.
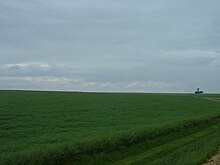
(198, 91)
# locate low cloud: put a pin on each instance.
(71, 84)
(26, 65)
(30, 69)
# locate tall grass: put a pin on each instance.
(43, 127)
(78, 153)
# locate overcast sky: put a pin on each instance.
(110, 45)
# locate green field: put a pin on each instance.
(107, 128)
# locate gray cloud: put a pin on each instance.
(114, 42)
(54, 83)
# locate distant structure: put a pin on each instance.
(198, 91)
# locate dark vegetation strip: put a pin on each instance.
(84, 153)
(176, 149)
(193, 153)
(159, 147)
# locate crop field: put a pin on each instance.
(107, 128)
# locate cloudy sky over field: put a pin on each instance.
(110, 45)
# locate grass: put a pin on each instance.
(55, 127)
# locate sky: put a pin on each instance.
(110, 45)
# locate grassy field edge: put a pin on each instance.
(80, 151)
